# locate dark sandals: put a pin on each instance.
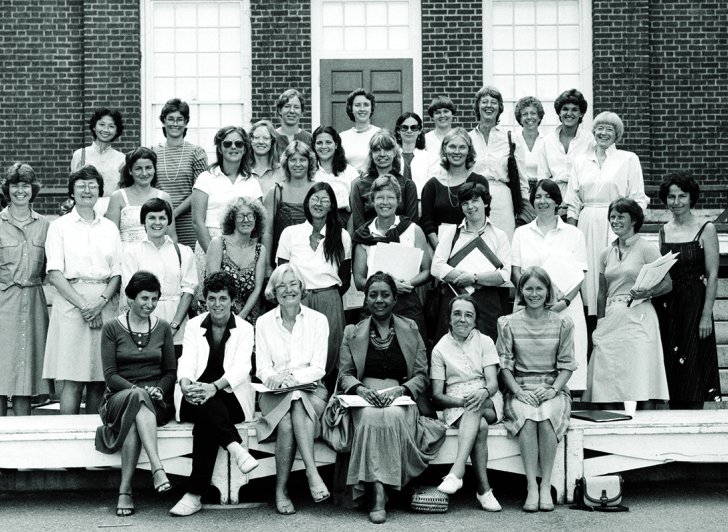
(163, 484)
(125, 511)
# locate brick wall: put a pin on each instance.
(281, 38)
(452, 42)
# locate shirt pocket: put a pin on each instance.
(11, 252)
(37, 251)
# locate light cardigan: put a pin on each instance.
(236, 363)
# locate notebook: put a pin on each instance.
(600, 416)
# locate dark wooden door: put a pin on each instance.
(390, 80)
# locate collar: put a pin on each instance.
(216, 171)
(167, 240)
(628, 243)
(277, 313)
(5, 214)
(467, 340)
(309, 228)
(464, 229)
(609, 152)
(560, 224)
(373, 226)
(76, 217)
(207, 322)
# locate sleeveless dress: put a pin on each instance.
(130, 228)
(691, 363)
(244, 281)
(285, 215)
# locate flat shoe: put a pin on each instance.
(378, 516)
(163, 484)
(125, 511)
(488, 502)
(530, 507)
(285, 507)
(450, 484)
(546, 506)
(186, 506)
(246, 463)
(319, 492)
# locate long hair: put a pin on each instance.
(244, 168)
(384, 139)
(338, 163)
(273, 155)
(333, 246)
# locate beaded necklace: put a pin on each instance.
(138, 338)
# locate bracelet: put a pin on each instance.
(217, 389)
(174, 325)
(475, 278)
(106, 299)
(566, 300)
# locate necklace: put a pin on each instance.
(179, 164)
(450, 196)
(138, 338)
(18, 219)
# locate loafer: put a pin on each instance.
(450, 484)
(488, 502)
(245, 462)
(187, 505)
(378, 516)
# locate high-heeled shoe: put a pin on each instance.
(125, 510)
(163, 484)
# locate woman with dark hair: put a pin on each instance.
(137, 352)
(321, 249)
(686, 313)
(23, 307)
(291, 348)
(238, 253)
(627, 364)
(441, 111)
(529, 113)
(137, 186)
(559, 248)
(173, 264)
(333, 169)
(464, 376)
(179, 163)
(383, 358)
(569, 141)
(440, 193)
(284, 203)
(384, 158)
(492, 150)
(488, 263)
(410, 135)
(264, 158)
(83, 253)
(360, 106)
(106, 126)
(290, 108)
(536, 352)
(213, 388)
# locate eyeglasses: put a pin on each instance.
(257, 138)
(317, 200)
(405, 127)
(86, 186)
(245, 217)
(229, 143)
(293, 285)
(178, 120)
(289, 107)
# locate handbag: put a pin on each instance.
(429, 500)
(336, 425)
(601, 494)
(524, 212)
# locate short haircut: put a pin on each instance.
(381, 277)
(462, 297)
(142, 281)
(607, 118)
(274, 158)
(101, 112)
(450, 135)
(441, 102)
(287, 96)
(571, 96)
(631, 207)
(127, 179)
(551, 188)
(539, 273)
(244, 168)
(350, 101)
(300, 148)
(231, 212)
(386, 182)
(87, 172)
(383, 139)
(171, 106)
(338, 163)
(277, 277)
(471, 191)
(20, 172)
(420, 142)
(491, 91)
(528, 101)
(217, 282)
(682, 180)
(155, 205)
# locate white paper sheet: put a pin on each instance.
(564, 273)
(356, 401)
(653, 273)
(399, 261)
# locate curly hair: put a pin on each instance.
(571, 96)
(528, 101)
(101, 112)
(685, 182)
(491, 91)
(350, 102)
(217, 282)
(127, 179)
(381, 277)
(231, 212)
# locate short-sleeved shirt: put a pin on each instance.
(341, 183)
(22, 250)
(220, 192)
(454, 361)
(531, 247)
(621, 273)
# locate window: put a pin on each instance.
(196, 51)
(373, 25)
(537, 48)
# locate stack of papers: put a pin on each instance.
(653, 273)
(262, 388)
(399, 261)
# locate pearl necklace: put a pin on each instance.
(138, 338)
(179, 164)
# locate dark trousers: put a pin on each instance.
(214, 427)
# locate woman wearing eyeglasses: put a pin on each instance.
(410, 135)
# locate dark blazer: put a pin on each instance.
(352, 359)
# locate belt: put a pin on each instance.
(619, 299)
(84, 280)
(317, 290)
(598, 205)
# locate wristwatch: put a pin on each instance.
(174, 325)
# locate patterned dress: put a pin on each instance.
(244, 281)
(691, 364)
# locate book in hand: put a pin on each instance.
(262, 388)
(356, 401)
(600, 416)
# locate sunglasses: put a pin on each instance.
(229, 143)
(405, 127)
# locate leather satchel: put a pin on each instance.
(600, 494)
(336, 426)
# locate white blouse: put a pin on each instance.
(220, 192)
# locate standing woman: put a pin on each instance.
(179, 163)
(536, 352)
(23, 307)
(139, 179)
(321, 250)
(290, 107)
(360, 106)
(441, 111)
(291, 343)
(238, 253)
(333, 169)
(550, 242)
(686, 313)
(106, 126)
(492, 150)
(284, 202)
(410, 135)
(440, 194)
(263, 158)
(529, 113)
(83, 253)
(137, 351)
(599, 178)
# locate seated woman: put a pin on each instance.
(213, 388)
(291, 347)
(536, 349)
(465, 360)
(137, 351)
(383, 358)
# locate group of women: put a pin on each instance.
(281, 224)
